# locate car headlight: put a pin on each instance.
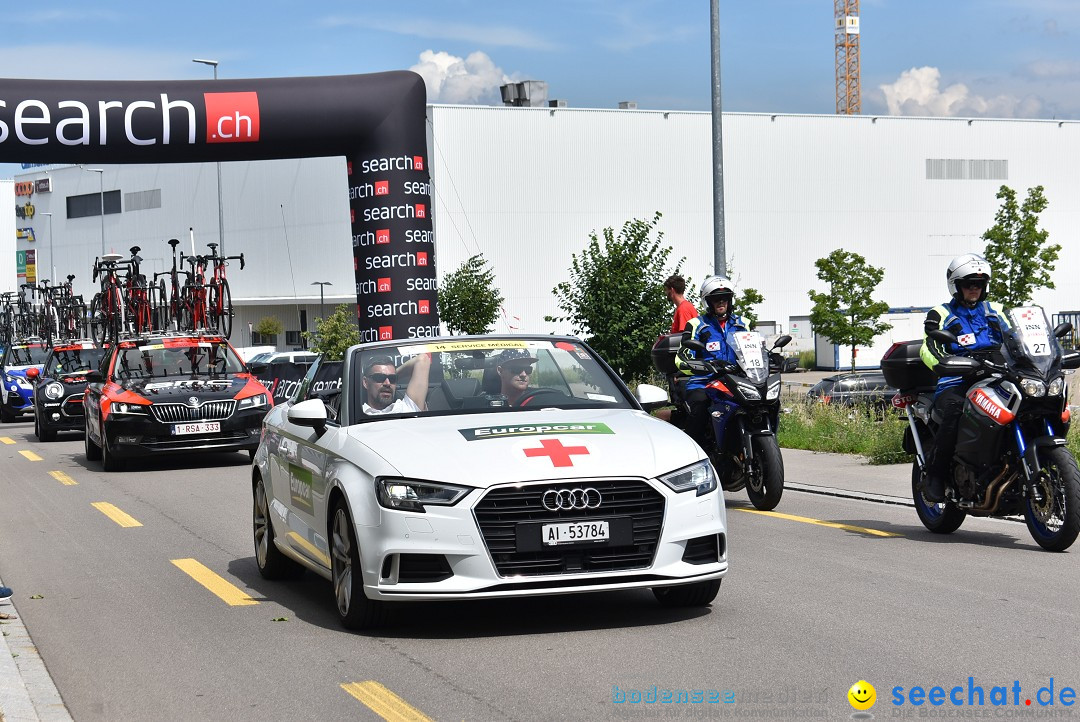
(54, 390)
(412, 495)
(252, 402)
(1033, 387)
(126, 408)
(21, 382)
(698, 476)
(749, 391)
(773, 392)
(1055, 387)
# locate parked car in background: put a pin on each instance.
(860, 388)
(296, 357)
(60, 385)
(18, 393)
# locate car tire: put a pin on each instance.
(271, 562)
(109, 462)
(355, 610)
(251, 454)
(696, 594)
(93, 451)
(6, 415)
(43, 435)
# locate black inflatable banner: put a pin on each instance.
(376, 121)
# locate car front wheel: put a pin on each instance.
(355, 610)
(93, 451)
(271, 562)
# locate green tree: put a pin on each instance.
(268, 326)
(744, 306)
(1016, 249)
(468, 299)
(335, 333)
(847, 314)
(615, 296)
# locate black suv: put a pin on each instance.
(861, 388)
(59, 387)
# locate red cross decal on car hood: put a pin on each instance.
(560, 455)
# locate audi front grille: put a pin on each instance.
(501, 510)
(209, 411)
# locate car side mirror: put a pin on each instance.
(1060, 331)
(32, 373)
(94, 377)
(782, 341)
(310, 413)
(957, 366)
(257, 368)
(1070, 360)
(942, 336)
(651, 397)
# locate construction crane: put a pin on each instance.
(848, 94)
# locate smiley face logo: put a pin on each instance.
(862, 695)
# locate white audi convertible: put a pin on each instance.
(483, 466)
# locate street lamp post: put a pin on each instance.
(321, 285)
(220, 212)
(52, 256)
(101, 182)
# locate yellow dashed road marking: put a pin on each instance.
(820, 522)
(115, 514)
(63, 478)
(30, 455)
(231, 595)
(385, 703)
(7, 440)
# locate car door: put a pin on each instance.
(92, 400)
(298, 463)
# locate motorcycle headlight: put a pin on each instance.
(412, 495)
(773, 392)
(1055, 387)
(54, 390)
(252, 402)
(126, 408)
(749, 391)
(698, 476)
(1033, 387)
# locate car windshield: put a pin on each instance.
(483, 375)
(28, 355)
(175, 358)
(74, 360)
(259, 358)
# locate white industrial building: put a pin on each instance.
(526, 186)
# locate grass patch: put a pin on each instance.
(807, 360)
(845, 430)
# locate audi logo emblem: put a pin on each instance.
(556, 499)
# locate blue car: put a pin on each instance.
(18, 392)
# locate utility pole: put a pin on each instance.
(719, 240)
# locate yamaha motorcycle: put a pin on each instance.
(744, 407)
(1011, 456)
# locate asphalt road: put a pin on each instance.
(806, 611)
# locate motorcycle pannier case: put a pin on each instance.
(904, 369)
(663, 352)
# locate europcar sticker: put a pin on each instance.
(300, 487)
(500, 432)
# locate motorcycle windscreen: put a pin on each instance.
(1030, 342)
(749, 347)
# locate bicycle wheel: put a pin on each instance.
(98, 322)
(224, 309)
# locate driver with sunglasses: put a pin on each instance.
(514, 367)
(380, 385)
(977, 325)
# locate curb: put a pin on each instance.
(27, 692)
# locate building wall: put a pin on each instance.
(526, 186)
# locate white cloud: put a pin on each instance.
(450, 79)
(446, 30)
(918, 92)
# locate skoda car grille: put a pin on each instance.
(501, 510)
(209, 411)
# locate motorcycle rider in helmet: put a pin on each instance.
(713, 329)
(977, 325)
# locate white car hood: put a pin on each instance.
(485, 449)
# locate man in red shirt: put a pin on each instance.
(684, 310)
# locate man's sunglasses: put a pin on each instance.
(518, 370)
(383, 378)
(971, 284)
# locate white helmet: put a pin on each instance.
(715, 287)
(968, 266)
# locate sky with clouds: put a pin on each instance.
(991, 58)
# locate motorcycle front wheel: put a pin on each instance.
(940, 518)
(1053, 513)
(765, 482)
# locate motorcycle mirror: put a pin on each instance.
(942, 336)
(1070, 360)
(782, 341)
(956, 365)
(1063, 329)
